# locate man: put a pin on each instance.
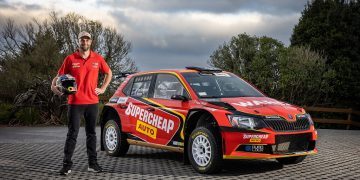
(85, 66)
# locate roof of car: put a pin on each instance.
(187, 69)
(165, 70)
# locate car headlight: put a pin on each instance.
(310, 119)
(245, 122)
(307, 116)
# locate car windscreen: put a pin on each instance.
(219, 85)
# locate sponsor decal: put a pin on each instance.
(222, 74)
(257, 148)
(272, 117)
(75, 65)
(122, 100)
(260, 103)
(172, 112)
(143, 78)
(146, 129)
(113, 100)
(255, 138)
(95, 64)
(202, 93)
(150, 118)
(210, 109)
(177, 143)
(259, 136)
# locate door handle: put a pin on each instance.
(150, 109)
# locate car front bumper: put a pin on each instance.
(267, 144)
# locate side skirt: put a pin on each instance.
(157, 146)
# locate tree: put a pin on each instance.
(31, 54)
(303, 77)
(296, 74)
(252, 58)
(332, 27)
(235, 55)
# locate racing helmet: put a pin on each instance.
(66, 84)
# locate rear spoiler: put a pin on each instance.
(204, 70)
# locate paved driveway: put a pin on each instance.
(36, 153)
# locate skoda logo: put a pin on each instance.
(290, 116)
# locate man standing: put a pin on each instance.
(85, 66)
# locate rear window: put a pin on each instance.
(127, 88)
(141, 86)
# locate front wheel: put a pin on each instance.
(114, 140)
(291, 160)
(204, 151)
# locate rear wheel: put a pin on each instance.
(204, 150)
(114, 140)
(291, 160)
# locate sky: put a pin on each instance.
(172, 34)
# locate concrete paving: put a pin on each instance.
(36, 153)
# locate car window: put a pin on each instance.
(167, 85)
(127, 88)
(141, 86)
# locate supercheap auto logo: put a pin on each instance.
(149, 123)
(255, 137)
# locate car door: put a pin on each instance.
(166, 85)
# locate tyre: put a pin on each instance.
(204, 150)
(291, 160)
(114, 140)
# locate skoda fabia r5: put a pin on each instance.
(209, 115)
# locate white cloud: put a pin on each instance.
(172, 33)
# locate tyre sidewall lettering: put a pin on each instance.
(199, 133)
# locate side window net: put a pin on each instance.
(168, 85)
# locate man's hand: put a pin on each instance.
(99, 91)
(56, 90)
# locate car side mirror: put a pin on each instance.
(179, 97)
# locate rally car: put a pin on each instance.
(209, 115)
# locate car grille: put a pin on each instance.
(280, 124)
(291, 143)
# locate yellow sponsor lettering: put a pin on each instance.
(146, 129)
(255, 140)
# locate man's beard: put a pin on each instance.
(84, 48)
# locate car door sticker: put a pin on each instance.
(151, 125)
(122, 100)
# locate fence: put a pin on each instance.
(348, 121)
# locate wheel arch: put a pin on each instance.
(107, 113)
(197, 117)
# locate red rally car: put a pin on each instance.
(209, 115)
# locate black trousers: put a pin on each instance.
(75, 112)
